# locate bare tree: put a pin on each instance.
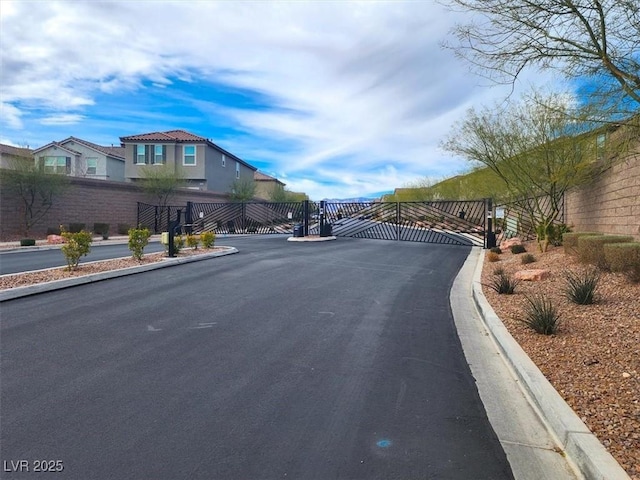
(536, 148)
(597, 40)
(242, 190)
(35, 188)
(161, 182)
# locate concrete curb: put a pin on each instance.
(311, 238)
(19, 292)
(580, 445)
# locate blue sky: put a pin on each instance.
(337, 99)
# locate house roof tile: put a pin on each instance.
(263, 177)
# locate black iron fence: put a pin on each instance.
(514, 219)
(450, 222)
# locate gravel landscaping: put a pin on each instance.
(592, 361)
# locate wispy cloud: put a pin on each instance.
(338, 97)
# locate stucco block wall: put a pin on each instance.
(611, 204)
(88, 201)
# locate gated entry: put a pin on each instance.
(449, 222)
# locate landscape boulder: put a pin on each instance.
(533, 275)
(54, 239)
(510, 242)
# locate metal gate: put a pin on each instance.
(245, 217)
(448, 222)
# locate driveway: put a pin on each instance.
(287, 360)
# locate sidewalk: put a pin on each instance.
(580, 449)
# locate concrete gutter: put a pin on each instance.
(18, 292)
(578, 442)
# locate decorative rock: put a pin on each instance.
(626, 375)
(532, 275)
(510, 242)
(55, 239)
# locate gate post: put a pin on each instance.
(188, 219)
(398, 217)
(490, 237)
(305, 220)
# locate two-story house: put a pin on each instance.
(80, 158)
(200, 162)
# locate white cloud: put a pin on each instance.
(355, 88)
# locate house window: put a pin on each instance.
(224, 160)
(189, 155)
(237, 169)
(141, 154)
(92, 166)
(159, 154)
(56, 164)
(601, 141)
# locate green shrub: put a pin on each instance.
(497, 250)
(27, 242)
(504, 284)
(138, 239)
(527, 258)
(516, 249)
(123, 229)
(581, 288)
(207, 239)
(541, 315)
(556, 232)
(101, 229)
(193, 241)
(76, 227)
(624, 258)
(76, 246)
(178, 243)
(570, 241)
(591, 248)
(493, 257)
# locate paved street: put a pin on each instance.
(287, 360)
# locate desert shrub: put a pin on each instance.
(624, 258)
(541, 315)
(123, 229)
(580, 288)
(493, 257)
(527, 258)
(570, 241)
(27, 242)
(101, 229)
(76, 227)
(497, 250)
(517, 249)
(178, 243)
(76, 246)
(556, 232)
(138, 239)
(193, 241)
(591, 248)
(504, 284)
(498, 271)
(207, 239)
(53, 231)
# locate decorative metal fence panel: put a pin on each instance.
(449, 222)
(156, 218)
(246, 217)
(513, 219)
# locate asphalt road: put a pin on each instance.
(23, 261)
(329, 360)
